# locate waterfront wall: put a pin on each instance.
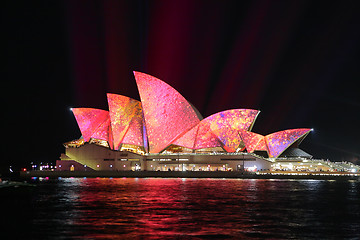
(189, 174)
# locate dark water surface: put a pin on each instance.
(155, 208)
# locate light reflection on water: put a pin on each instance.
(157, 208)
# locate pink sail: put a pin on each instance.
(134, 134)
(278, 142)
(253, 141)
(167, 114)
(219, 130)
(102, 132)
(226, 123)
(122, 110)
(89, 120)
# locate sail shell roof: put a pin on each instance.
(126, 120)
(278, 142)
(167, 114)
(164, 117)
(91, 122)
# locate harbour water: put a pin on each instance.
(183, 208)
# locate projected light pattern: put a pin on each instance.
(164, 117)
(278, 142)
(102, 132)
(167, 114)
(219, 130)
(188, 138)
(224, 125)
(252, 141)
(230, 138)
(122, 110)
(205, 138)
(200, 136)
(261, 146)
(232, 119)
(89, 120)
(134, 134)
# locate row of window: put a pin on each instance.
(121, 159)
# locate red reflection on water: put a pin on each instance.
(160, 207)
(130, 208)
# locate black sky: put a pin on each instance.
(296, 61)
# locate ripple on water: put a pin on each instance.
(157, 208)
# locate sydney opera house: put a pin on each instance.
(164, 132)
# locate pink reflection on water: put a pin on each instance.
(158, 208)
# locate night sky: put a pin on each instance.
(295, 61)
